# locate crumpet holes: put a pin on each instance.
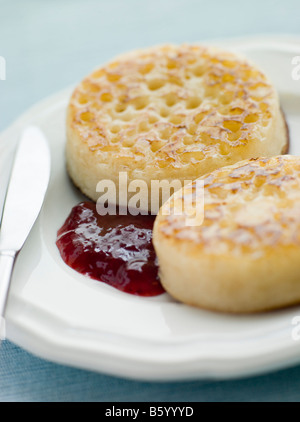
(164, 112)
(229, 64)
(188, 140)
(126, 117)
(198, 71)
(155, 84)
(146, 68)
(227, 97)
(167, 133)
(176, 119)
(113, 77)
(232, 125)
(228, 78)
(156, 145)
(251, 118)
(224, 148)
(140, 102)
(115, 129)
(234, 136)
(259, 180)
(106, 97)
(192, 156)
(98, 74)
(83, 99)
(116, 139)
(87, 116)
(174, 80)
(236, 111)
(120, 108)
(153, 119)
(192, 129)
(128, 143)
(193, 102)
(171, 64)
(90, 87)
(171, 99)
(199, 117)
(263, 106)
(143, 126)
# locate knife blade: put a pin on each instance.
(24, 198)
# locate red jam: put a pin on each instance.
(116, 250)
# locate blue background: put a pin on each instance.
(49, 45)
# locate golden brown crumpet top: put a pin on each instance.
(245, 255)
(170, 112)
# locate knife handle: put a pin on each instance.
(7, 260)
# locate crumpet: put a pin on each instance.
(170, 112)
(245, 255)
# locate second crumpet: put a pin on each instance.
(170, 112)
(244, 254)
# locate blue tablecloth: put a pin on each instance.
(48, 45)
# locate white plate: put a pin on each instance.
(65, 317)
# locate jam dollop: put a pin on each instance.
(114, 249)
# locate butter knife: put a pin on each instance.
(24, 198)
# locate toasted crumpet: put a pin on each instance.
(170, 112)
(245, 255)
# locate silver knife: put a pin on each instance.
(24, 198)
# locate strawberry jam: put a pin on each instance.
(114, 249)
